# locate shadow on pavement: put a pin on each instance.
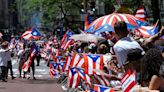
(31, 81)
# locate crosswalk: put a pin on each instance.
(41, 71)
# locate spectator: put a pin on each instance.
(153, 62)
(3, 60)
(124, 44)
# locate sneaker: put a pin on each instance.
(13, 78)
(64, 88)
(4, 80)
(28, 78)
(34, 78)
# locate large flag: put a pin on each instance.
(87, 21)
(100, 88)
(147, 31)
(66, 41)
(128, 82)
(27, 64)
(141, 13)
(32, 33)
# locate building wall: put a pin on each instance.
(161, 7)
(3, 13)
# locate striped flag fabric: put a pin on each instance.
(102, 80)
(32, 33)
(75, 75)
(54, 72)
(87, 21)
(75, 59)
(111, 19)
(27, 64)
(66, 41)
(141, 13)
(128, 81)
(73, 78)
(147, 31)
(91, 62)
(100, 88)
(68, 61)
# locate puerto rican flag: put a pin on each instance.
(100, 88)
(128, 81)
(102, 80)
(141, 13)
(58, 66)
(75, 59)
(68, 61)
(72, 60)
(32, 33)
(147, 31)
(66, 41)
(73, 78)
(75, 75)
(27, 64)
(91, 62)
(54, 72)
(87, 21)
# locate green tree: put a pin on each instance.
(51, 8)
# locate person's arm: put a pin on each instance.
(155, 83)
(154, 37)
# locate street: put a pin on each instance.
(43, 82)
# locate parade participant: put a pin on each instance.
(33, 46)
(4, 59)
(23, 59)
(9, 64)
(134, 62)
(38, 56)
(124, 44)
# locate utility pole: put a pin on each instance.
(85, 6)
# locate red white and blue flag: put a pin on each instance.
(66, 41)
(87, 21)
(102, 80)
(128, 81)
(100, 88)
(75, 75)
(33, 33)
(141, 13)
(54, 72)
(27, 64)
(91, 62)
(147, 31)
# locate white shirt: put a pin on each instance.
(4, 57)
(122, 47)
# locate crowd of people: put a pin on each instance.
(127, 52)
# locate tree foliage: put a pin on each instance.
(51, 8)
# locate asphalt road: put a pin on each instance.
(43, 82)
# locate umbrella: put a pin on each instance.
(111, 19)
(86, 37)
